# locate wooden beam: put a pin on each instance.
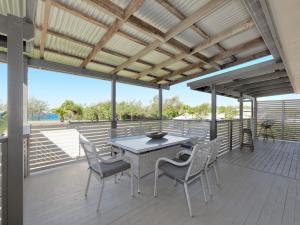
(104, 26)
(110, 7)
(220, 56)
(245, 25)
(45, 27)
(240, 48)
(269, 88)
(253, 80)
(247, 58)
(88, 45)
(195, 75)
(180, 71)
(256, 12)
(196, 16)
(130, 9)
(273, 92)
(252, 86)
(172, 9)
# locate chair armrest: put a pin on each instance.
(171, 161)
(182, 152)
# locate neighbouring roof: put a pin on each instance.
(263, 79)
(150, 40)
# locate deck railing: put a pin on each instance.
(55, 144)
(286, 115)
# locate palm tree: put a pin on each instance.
(61, 112)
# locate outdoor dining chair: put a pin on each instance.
(184, 172)
(103, 168)
(197, 135)
(212, 149)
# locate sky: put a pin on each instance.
(55, 88)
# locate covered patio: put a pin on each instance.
(153, 44)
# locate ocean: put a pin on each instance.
(44, 117)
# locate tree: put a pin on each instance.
(172, 107)
(229, 111)
(37, 108)
(61, 112)
(201, 111)
(74, 111)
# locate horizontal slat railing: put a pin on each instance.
(56, 144)
(286, 115)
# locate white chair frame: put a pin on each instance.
(99, 175)
(187, 179)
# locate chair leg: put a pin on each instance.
(155, 182)
(208, 183)
(187, 195)
(216, 174)
(88, 184)
(203, 188)
(101, 193)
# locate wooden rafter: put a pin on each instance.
(105, 26)
(172, 9)
(242, 60)
(88, 45)
(45, 27)
(241, 27)
(64, 54)
(183, 25)
(220, 56)
(130, 9)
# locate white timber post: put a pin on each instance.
(15, 160)
(113, 102)
(213, 124)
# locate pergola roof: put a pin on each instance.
(158, 42)
(264, 79)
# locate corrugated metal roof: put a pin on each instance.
(98, 67)
(178, 65)
(169, 48)
(225, 17)
(140, 35)
(252, 51)
(187, 7)
(241, 38)
(160, 73)
(155, 57)
(109, 58)
(153, 13)
(197, 70)
(189, 38)
(209, 52)
(120, 44)
(14, 7)
(139, 67)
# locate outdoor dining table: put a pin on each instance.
(144, 151)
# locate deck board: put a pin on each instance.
(258, 188)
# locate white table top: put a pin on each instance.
(140, 144)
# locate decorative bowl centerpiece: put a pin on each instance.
(156, 134)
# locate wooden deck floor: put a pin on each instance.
(260, 188)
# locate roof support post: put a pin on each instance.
(241, 100)
(254, 118)
(160, 107)
(213, 124)
(113, 102)
(15, 162)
